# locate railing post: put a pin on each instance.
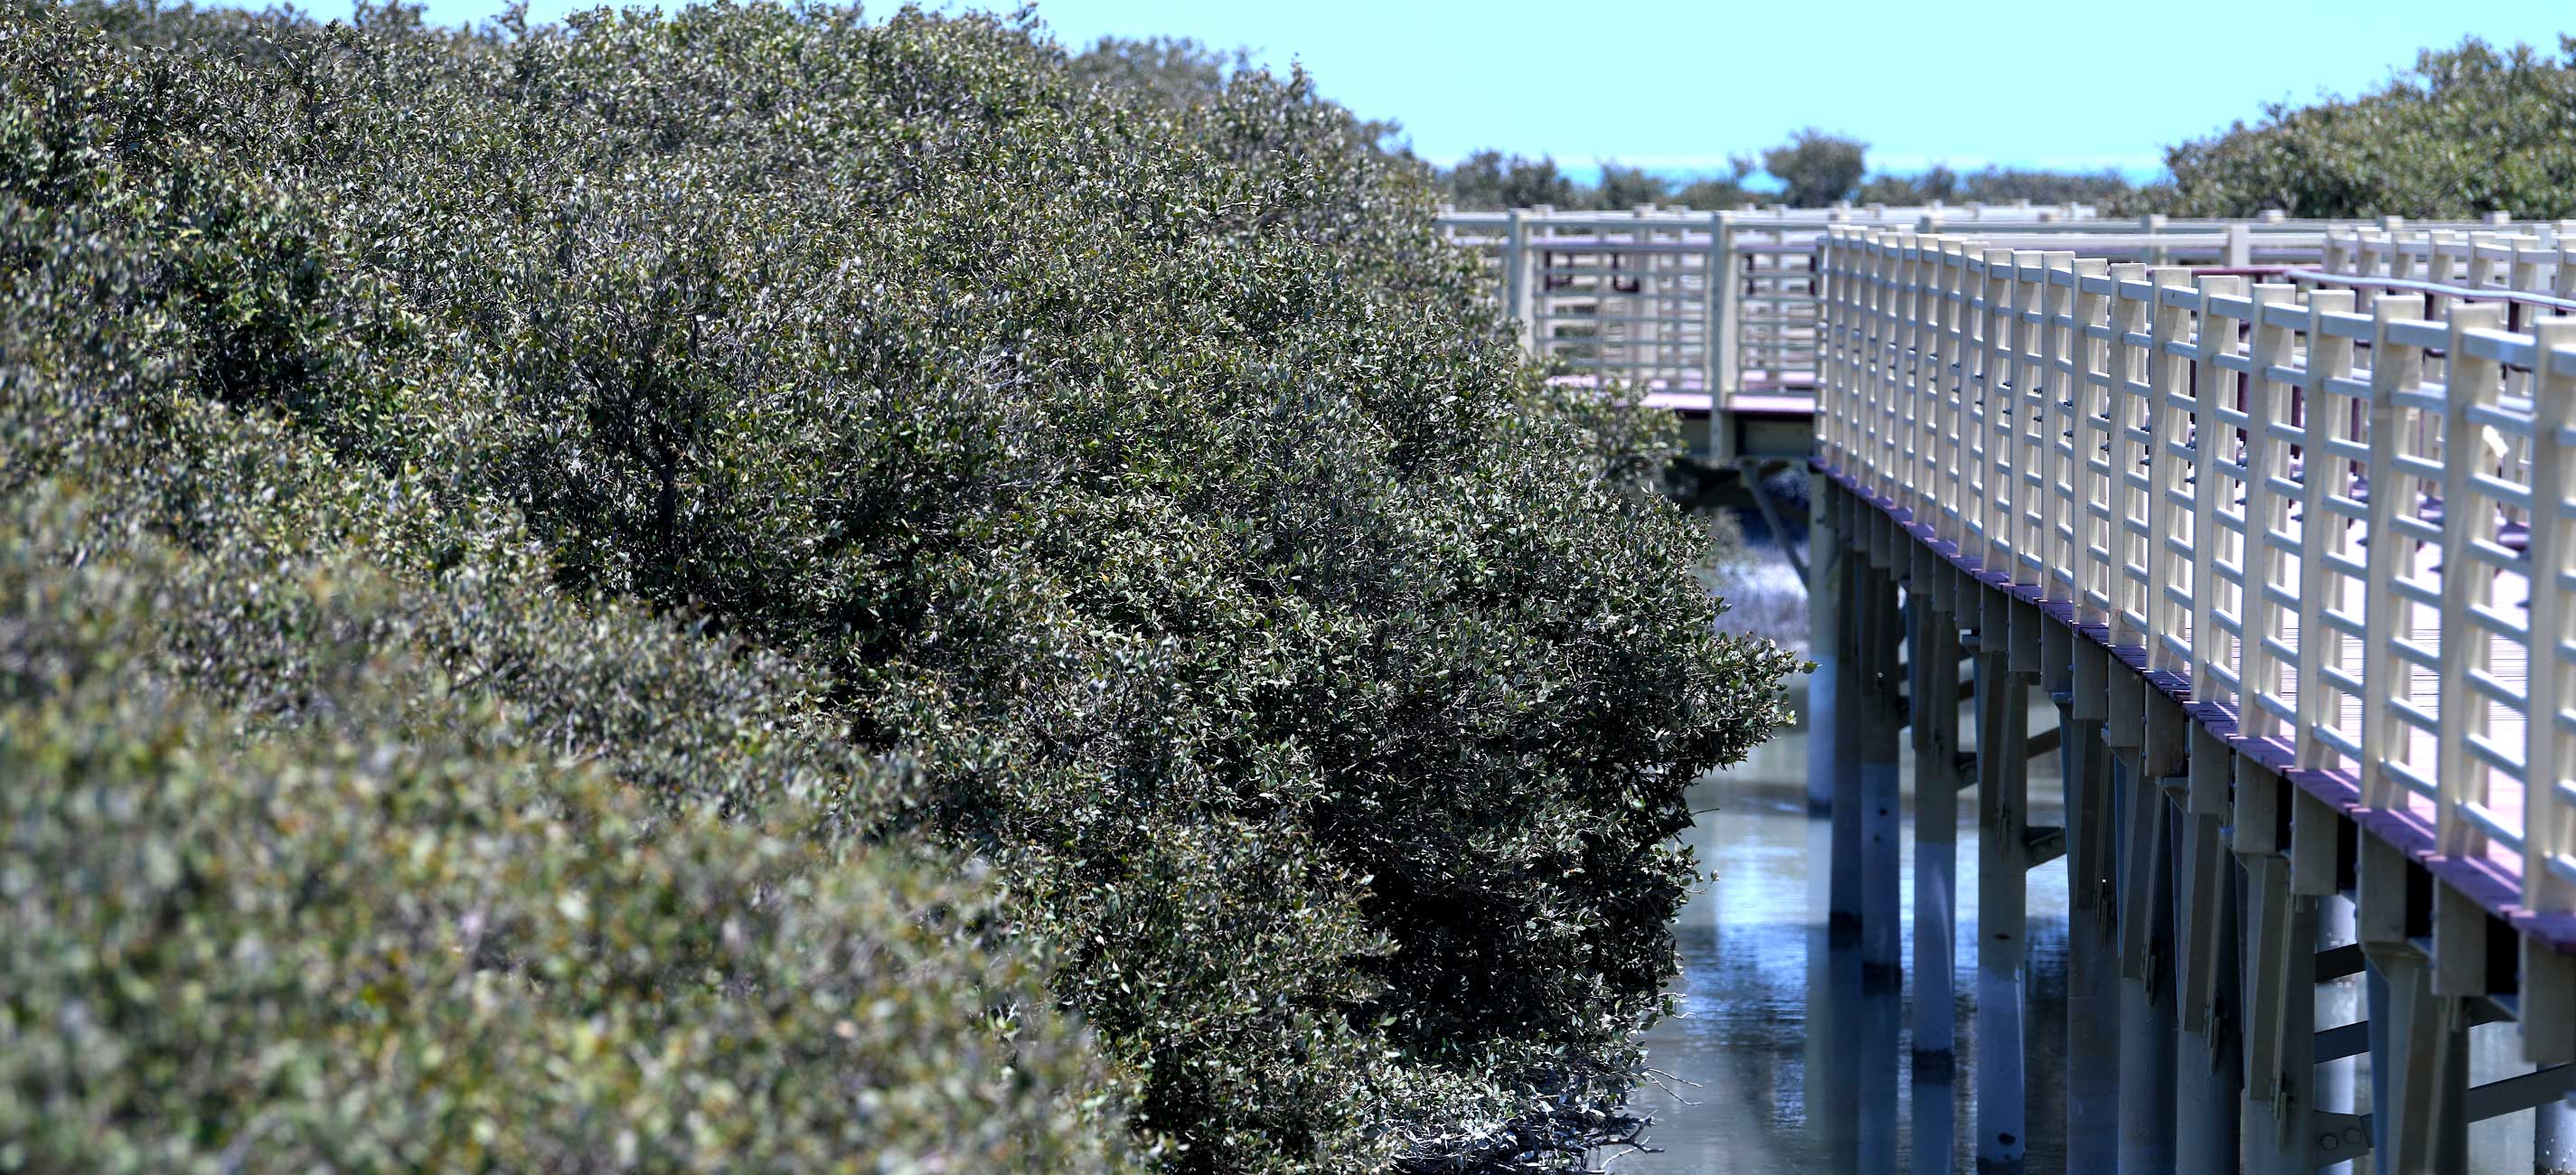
(1931, 379)
(2468, 381)
(2482, 258)
(1835, 345)
(1646, 334)
(2210, 439)
(2092, 471)
(1516, 301)
(1893, 358)
(2549, 823)
(1911, 352)
(1861, 270)
(2400, 263)
(2393, 368)
(1713, 308)
(2065, 379)
(2322, 533)
(1950, 375)
(2169, 398)
(2033, 442)
(2549, 827)
(2272, 347)
(1726, 323)
(2125, 484)
(1994, 412)
(2522, 272)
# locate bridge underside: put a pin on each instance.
(2200, 878)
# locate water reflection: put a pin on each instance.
(1738, 1058)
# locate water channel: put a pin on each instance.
(1742, 1066)
(1739, 1056)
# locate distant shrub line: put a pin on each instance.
(2468, 130)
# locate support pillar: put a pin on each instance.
(2280, 1034)
(2419, 1069)
(2003, 947)
(2277, 952)
(2147, 1026)
(2092, 971)
(2419, 1039)
(1935, 1063)
(2208, 1066)
(1875, 671)
(2338, 1002)
(1849, 703)
(1833, 976)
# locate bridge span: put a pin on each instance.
(1630, 296)
(2282, 517)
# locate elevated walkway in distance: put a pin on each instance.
(1715, 314)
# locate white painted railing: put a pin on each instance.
(2330, 506)
(1631, 296)
(2526, 258)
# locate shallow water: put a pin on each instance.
(1738, 1063)
(1737, 1054)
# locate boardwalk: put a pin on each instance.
(2290, 537)
(1627, 296)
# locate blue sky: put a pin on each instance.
(1677, 86)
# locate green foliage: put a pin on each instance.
(2468, 130)
(1624, 186)
(1934, 183)
(407, 937)
(1180, 72)
(1816, 169)
(2106, 189)
(1490, 180)
(1176, 71)
(336, 837)
(730, 400)
(1722, 190)
(1999, 185)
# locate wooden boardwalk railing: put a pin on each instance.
(1630, 296)
(2291, 538)
(1716, 313)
